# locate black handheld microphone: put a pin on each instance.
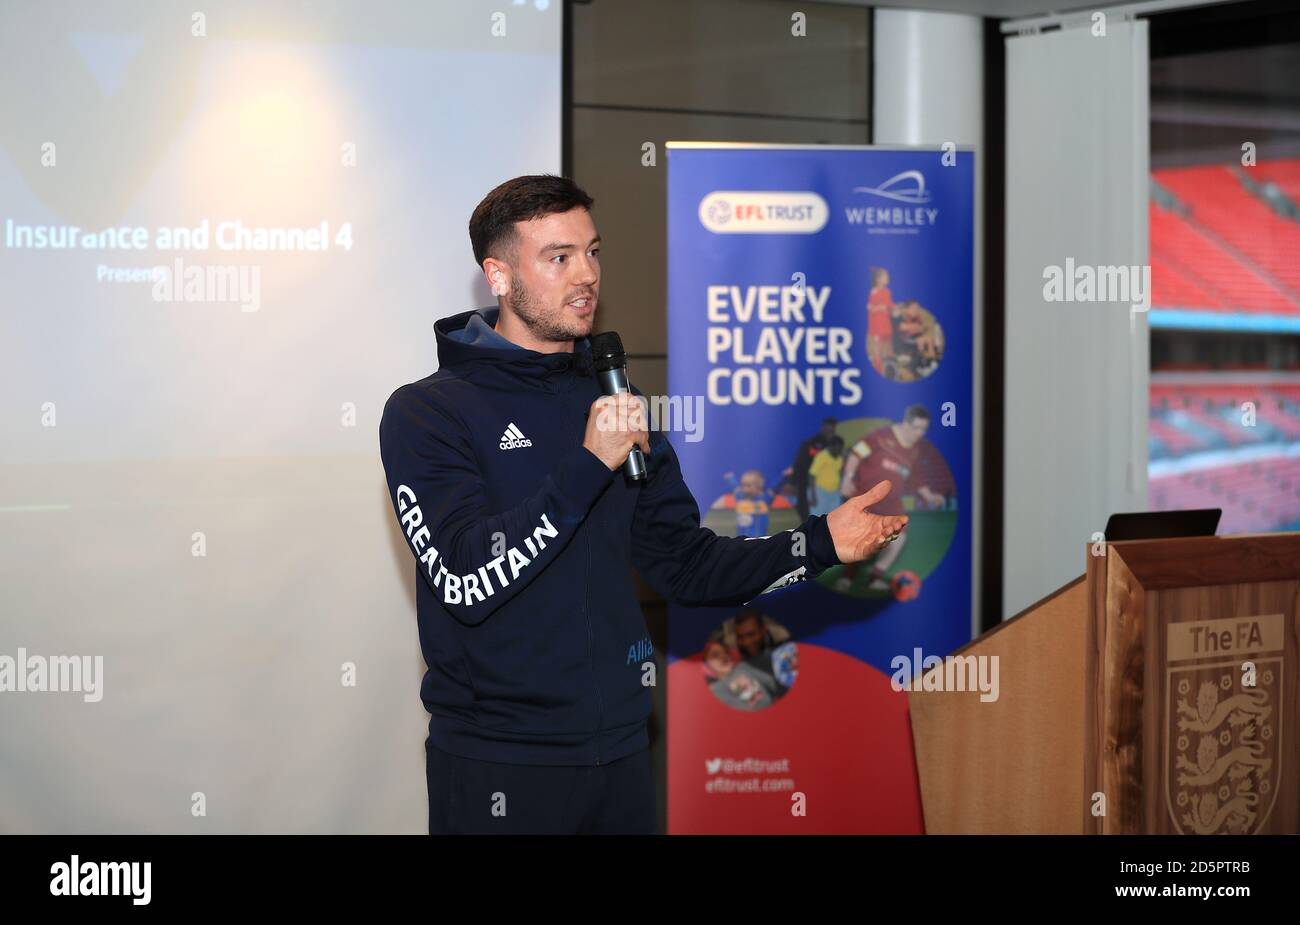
(610, 361)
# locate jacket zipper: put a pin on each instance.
(591, 646)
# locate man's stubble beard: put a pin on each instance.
(543, 327)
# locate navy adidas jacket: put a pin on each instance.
(523, 539)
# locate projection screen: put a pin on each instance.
(226, 231)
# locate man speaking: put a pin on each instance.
(505, 469)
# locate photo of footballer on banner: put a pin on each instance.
(922, 486)
(844, 459)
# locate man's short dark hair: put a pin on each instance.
(916, 412)
(492, 230)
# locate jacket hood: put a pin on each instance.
(462, 345)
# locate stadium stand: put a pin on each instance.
(1216, 245)
(1220, 204)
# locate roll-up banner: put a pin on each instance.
(820, 299)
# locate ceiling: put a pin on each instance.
(997, 9)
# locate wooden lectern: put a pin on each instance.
(1163, 680)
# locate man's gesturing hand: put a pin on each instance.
(616, 423)
(859, 534)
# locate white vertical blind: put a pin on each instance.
(1076, 372)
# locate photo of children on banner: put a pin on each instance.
(841, 460)
(753, 501)
(904, 341)
(798, 472)
(750, 662)
(900, 453)
(826, 471)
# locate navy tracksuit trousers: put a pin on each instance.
(472, 797)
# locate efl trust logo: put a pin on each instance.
(514, 438)
(751, 212)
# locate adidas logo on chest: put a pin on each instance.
(514, 438)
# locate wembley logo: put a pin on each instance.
(514, 438)
(905, 213)
(907, 187)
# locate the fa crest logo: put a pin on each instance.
(1223, 730)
